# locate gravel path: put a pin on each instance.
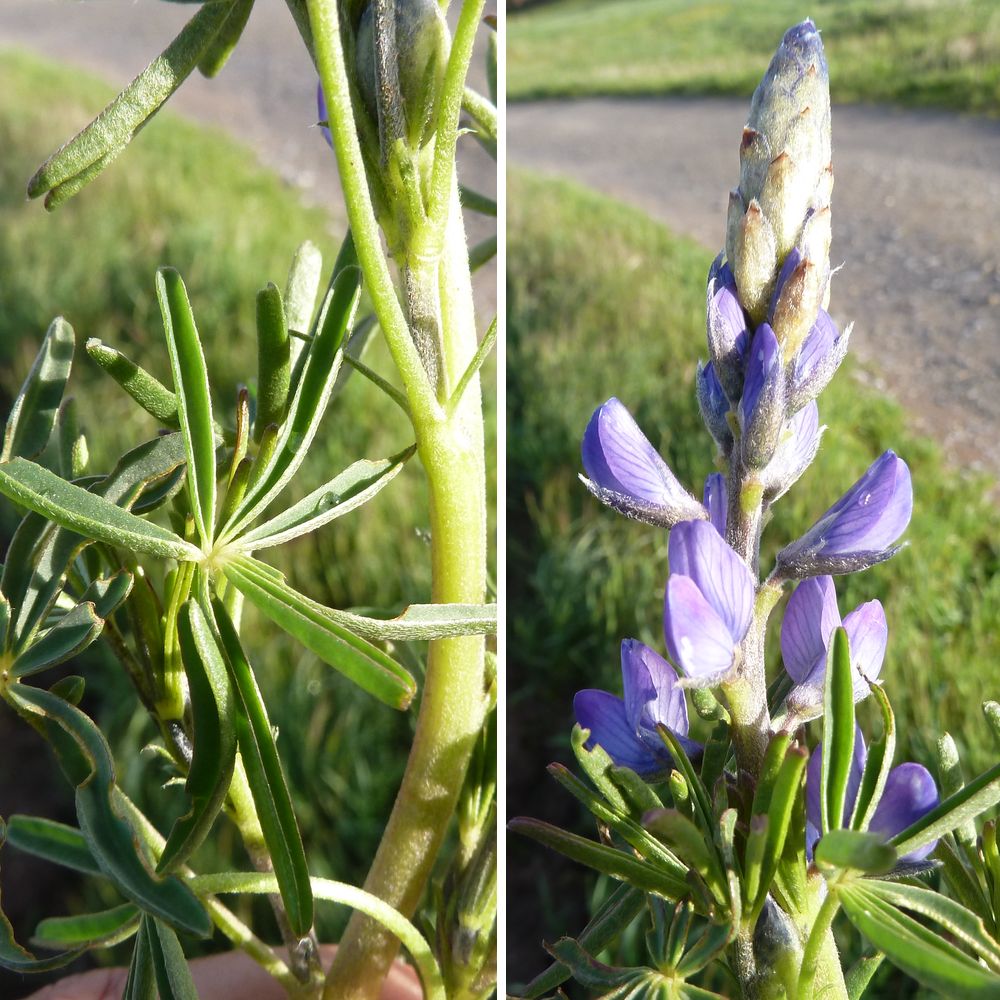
(916, 220)
(265, 95)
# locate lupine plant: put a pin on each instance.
(738, 854)
(156, 555)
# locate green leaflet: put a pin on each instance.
(853, 849)
(619, 910)
(89, 929)
(173, 977)
(274, 360)
(56, 842)
(34, 412)
(612, 862)
(877, 766)
(74, 632)
(347, 491)
(82, 158)
(333, 642)
(301, 289)
(149, 392)
(312, 393)
(914, 948)
(220, 48)
(267, 783)
(141, 982)
(86, 760)
(92, 516)
(838, 732)
(194, 403)
(214, 755)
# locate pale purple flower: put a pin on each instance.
(909, 794)
(860, 529)
(626, 728)
(796, 449)
(627, 473)
(714, 406)
(708, 606)
(716, 501)
(762, 405)
(810, 619)
(728, 336)
(323, 116)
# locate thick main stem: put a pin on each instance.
(454, 701)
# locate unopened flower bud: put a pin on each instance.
(728, 337)
(785, 177)
(762, 407)
(714, 407)
(422, 43)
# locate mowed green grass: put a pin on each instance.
(183, 196)
(934, 53)
(602, 301)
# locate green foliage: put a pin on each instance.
(935, 53)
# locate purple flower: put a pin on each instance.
(909, 794)
(762, 405)
(716, 502)
(627, 473)
(322, 112)
(626, 728)
(728, 336)
(708, 606)
(714, 407)
(810, 619)
(817, 361)
(796, 449)
(860, 529)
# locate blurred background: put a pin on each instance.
(623, 137)
(223, 186)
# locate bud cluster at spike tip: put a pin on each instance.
(780, 212)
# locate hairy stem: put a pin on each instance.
(454, 700)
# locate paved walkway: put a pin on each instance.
(916, 223)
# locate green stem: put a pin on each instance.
(818, 947)
(454, 700)
(325, 22)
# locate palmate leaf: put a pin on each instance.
(34, 412)
(367, 665)
(267, 782)
(922, 954)
(91, 516)
(194, 403)
(214, 756)
(83, 158)
(86, 759)
(347, 491)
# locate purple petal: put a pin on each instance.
(697, 551)
(819, 340)
(322, 112)
(862, 525)
(698, 639)
(795, 452)
(910, 793)
(810, 618)
(792, 261)
(814, 771)
(651, 692)
(716, 502)
(763, 366)
(867, 633)
(604, 715)
(618, 457)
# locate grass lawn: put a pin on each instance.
(602, 301)
(934, 53)
(187, 197)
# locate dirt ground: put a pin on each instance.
(916, 212)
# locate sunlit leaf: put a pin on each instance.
(226, 39)
(838, 731)
(88, 929)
